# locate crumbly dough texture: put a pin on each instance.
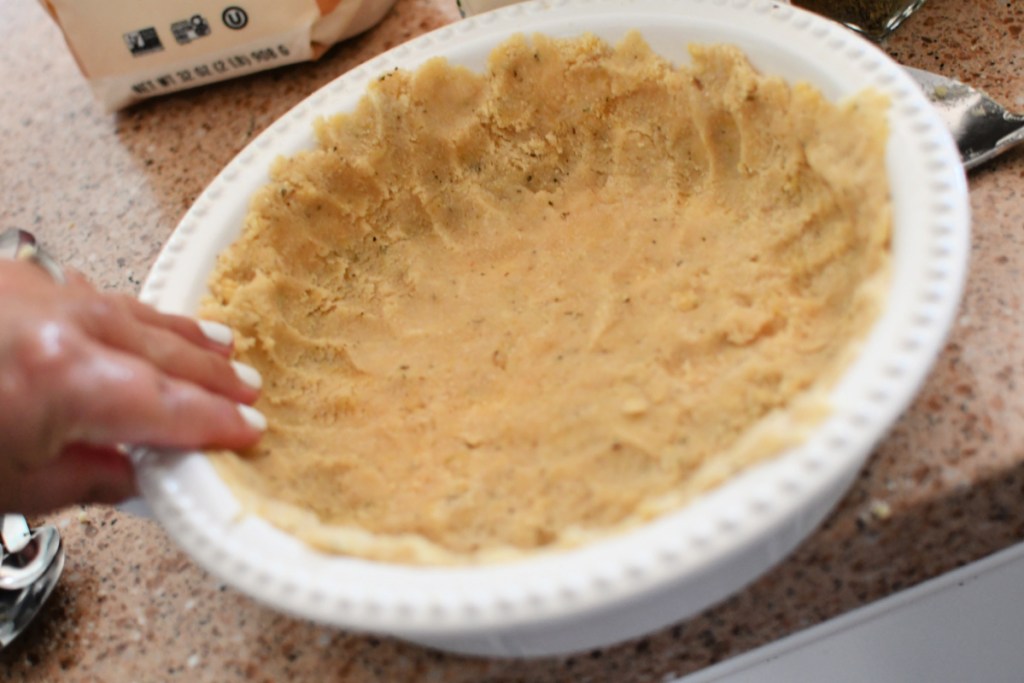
(515, 311)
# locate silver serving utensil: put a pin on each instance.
(14, 533)
(22, 565)
(982, 128)
(22, 245)
(28, 575)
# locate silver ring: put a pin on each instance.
(21, 245)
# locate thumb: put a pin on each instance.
(80, 474)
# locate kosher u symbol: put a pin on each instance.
(234, 17)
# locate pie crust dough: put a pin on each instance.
(516, 311)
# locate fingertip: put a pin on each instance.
(249, 375)
(111, 491)
(216, 332)
(111, 472)
(252, 417)
(75, 277)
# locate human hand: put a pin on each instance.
(82, 371)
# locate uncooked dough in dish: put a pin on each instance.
(509, 312)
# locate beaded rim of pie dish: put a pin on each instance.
(761, 513)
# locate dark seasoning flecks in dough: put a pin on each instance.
(508, 312)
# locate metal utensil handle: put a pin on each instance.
(14, 533)
(22, 245)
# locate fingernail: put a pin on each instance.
(248, 374)
(253, 417)
(217, 332)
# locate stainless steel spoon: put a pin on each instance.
(982, 128)
(24, 562)
(22, 245)
(14, 533)
(28, 575)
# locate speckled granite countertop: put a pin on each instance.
(105, 191)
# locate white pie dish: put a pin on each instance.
(673, 567)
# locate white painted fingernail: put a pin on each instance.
(217, 332)
(248, 374)
(253, 417)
